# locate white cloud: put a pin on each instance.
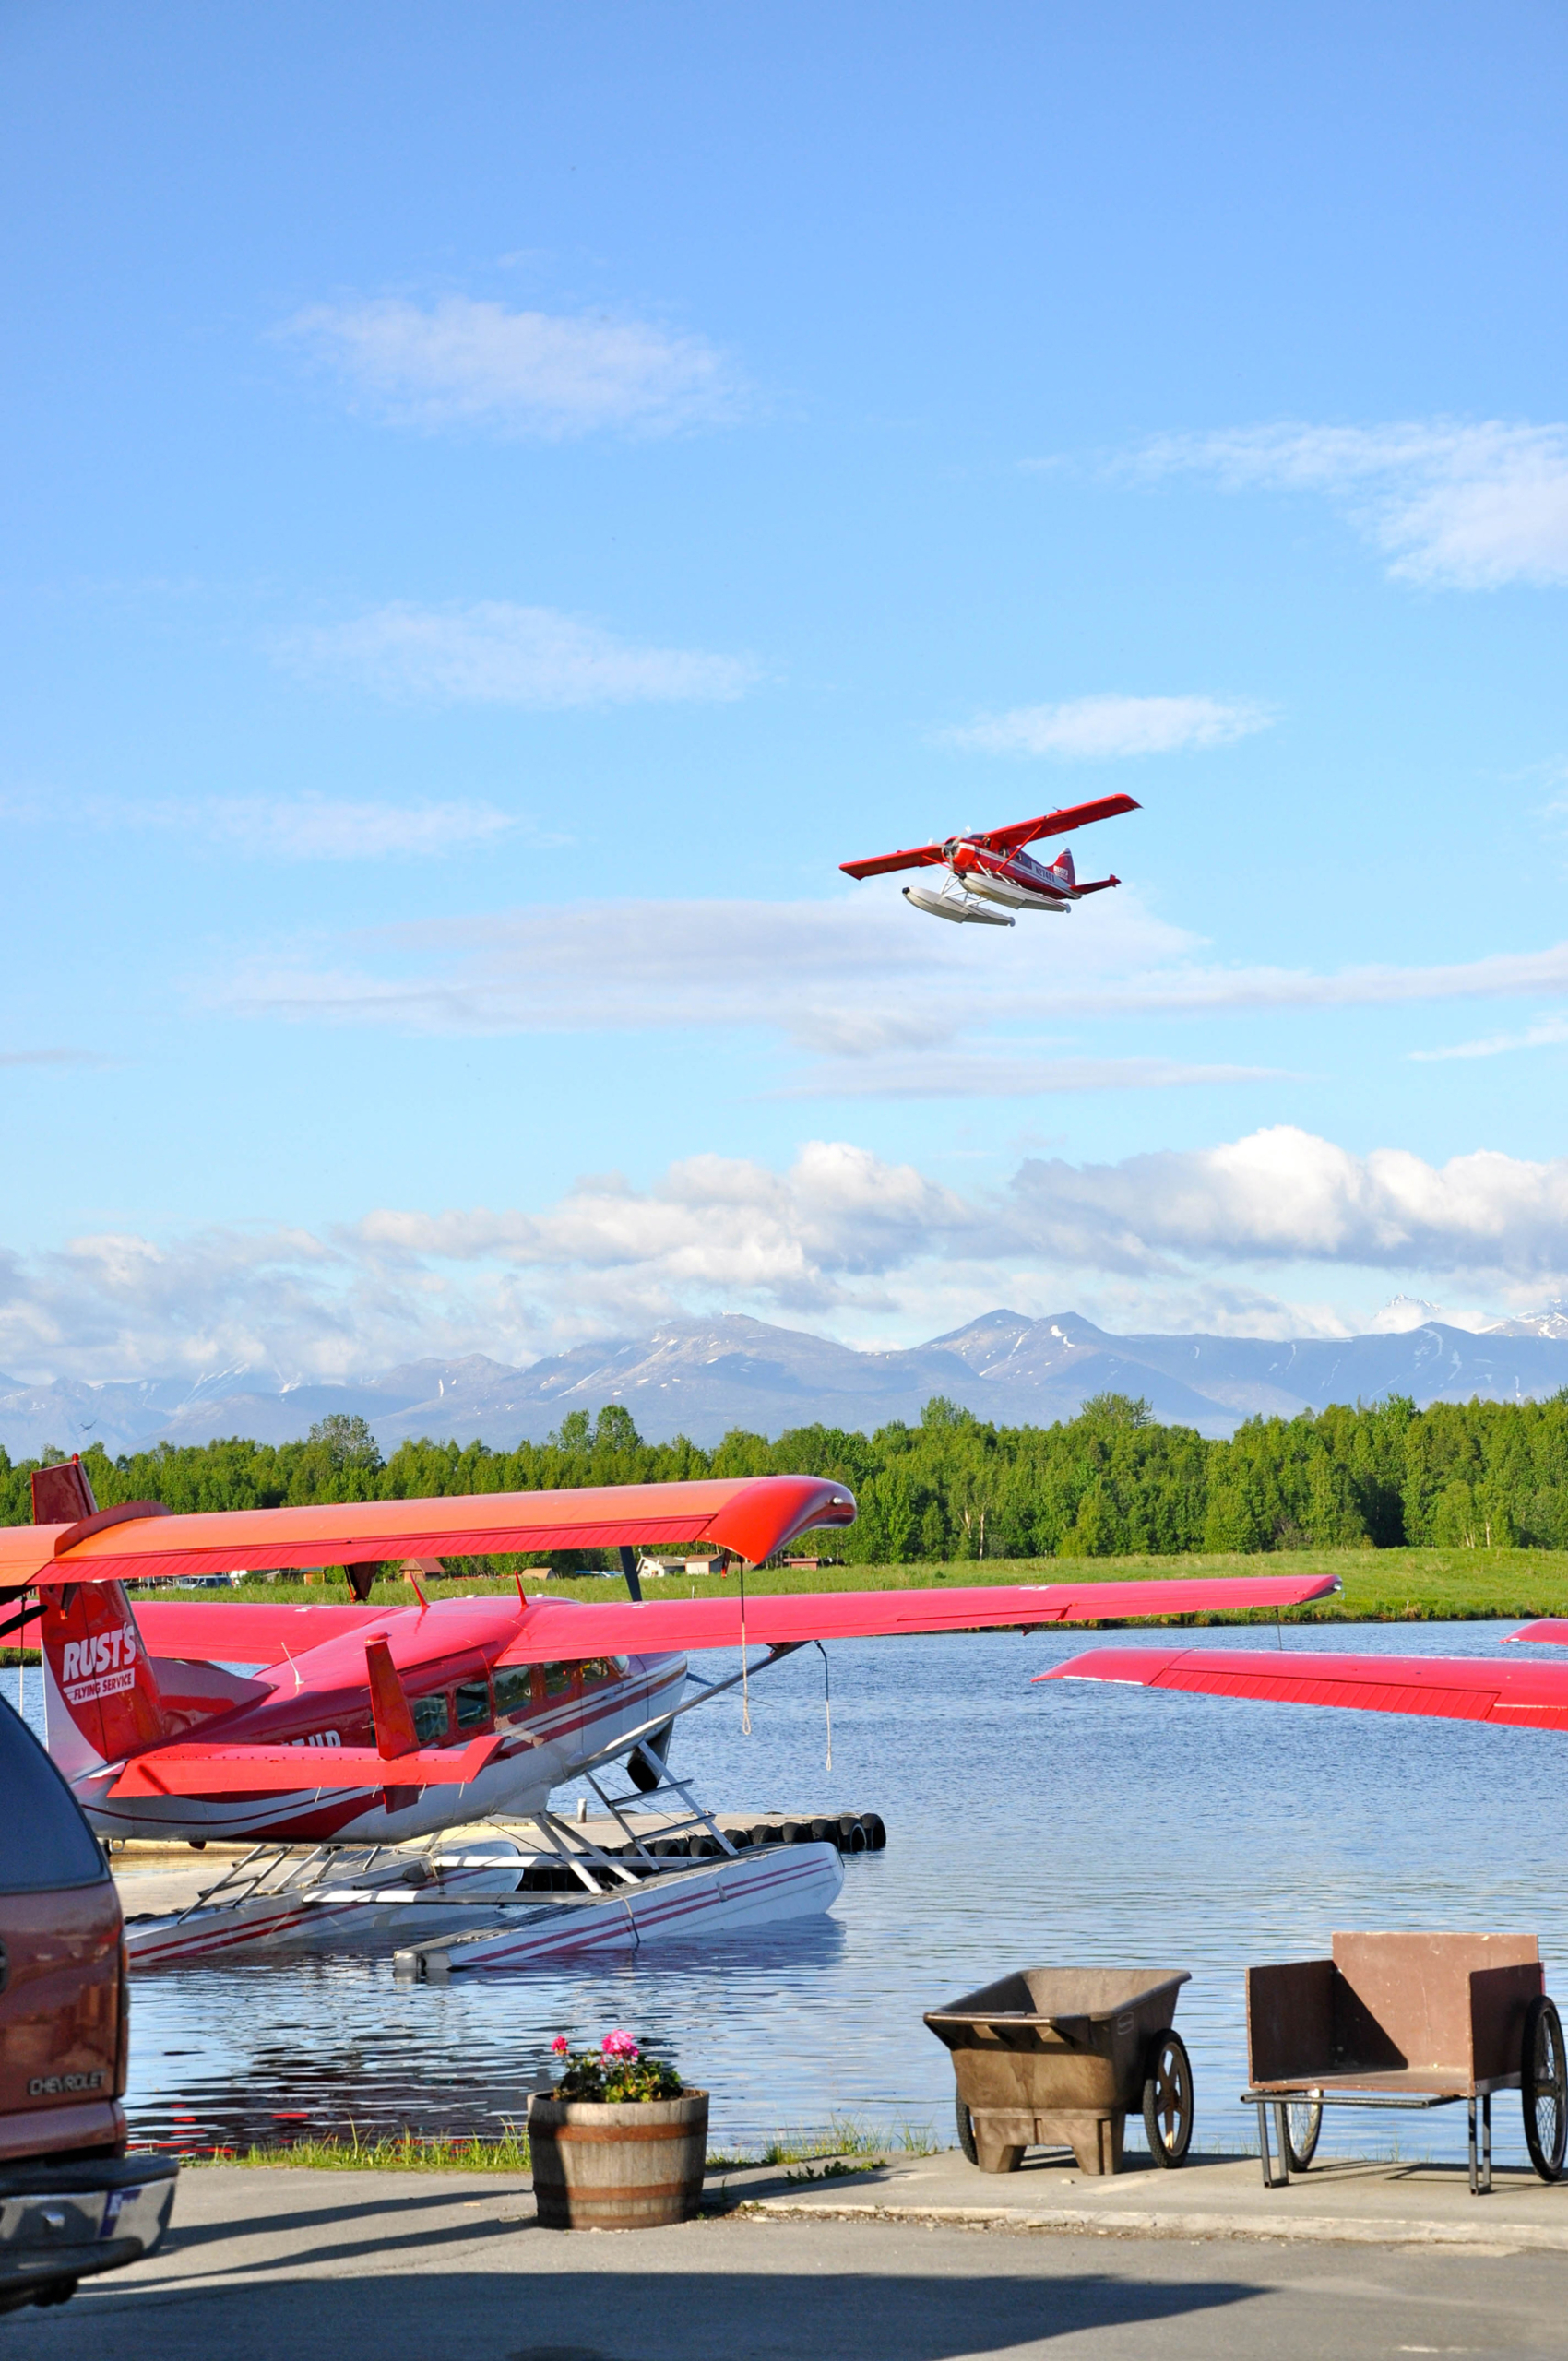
(714, 1230)
(495, 653)
(1096, 729)
(539, 373)
(1283, 1195)
(842, 1240)
(1454, 504)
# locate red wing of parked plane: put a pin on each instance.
(1013, 839)
(561, 1629)
(1464, 1689)
(141, 1542)
(558, 1627)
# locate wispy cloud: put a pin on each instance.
(1550, 1033)
(286, 827)
(495, 653)
(1100, 728)
(460, 363)
(52, 1058)
(320, 828)
(982, 1074)
(853, 980)
(1454, 504)
(886, 1001)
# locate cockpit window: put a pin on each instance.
(514, 1690)
(430, 1719)
(474, 1704)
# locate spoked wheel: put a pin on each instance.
(966, 2130)
(1167, 2100)
(1303, 2121)
(1543, 2083)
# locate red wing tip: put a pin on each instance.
(1552, 1631)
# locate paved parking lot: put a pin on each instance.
(266, 2266)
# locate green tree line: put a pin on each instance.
(1112, 1482)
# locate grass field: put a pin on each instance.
(1378, 1586)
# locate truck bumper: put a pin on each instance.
(62, 2222)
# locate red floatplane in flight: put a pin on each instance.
(368, 1725)
(987, 878)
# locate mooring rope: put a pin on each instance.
(826, 1700)
(745, 1691)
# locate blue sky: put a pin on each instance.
(501, 502)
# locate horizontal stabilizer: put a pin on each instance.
(295, 1770)
(1460, 1689)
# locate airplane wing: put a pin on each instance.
(242, 1633)
(141, 1542)
(1552, 1631)
(1461, 1689)
(561, 1629)
(289, 1770)
(1059, 823)
(923, 857)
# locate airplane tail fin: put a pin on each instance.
(102, 1698)
(1062, 867)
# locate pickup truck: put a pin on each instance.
(72, 2201)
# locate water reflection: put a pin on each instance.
(1091, 1823)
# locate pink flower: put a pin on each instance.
(618, 2045)
(560, 2045)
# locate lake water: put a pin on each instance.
(1073, 1823)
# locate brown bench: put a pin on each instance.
(1406, 2021)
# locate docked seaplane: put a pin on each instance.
(988, 877)
(340, 1742)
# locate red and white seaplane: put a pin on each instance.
(988, 878)
(350, 1728)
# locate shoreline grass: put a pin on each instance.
(843, 2136)
(405, 2152)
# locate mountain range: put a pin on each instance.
(701, 1377)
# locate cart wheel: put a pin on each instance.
(1167, 2100)
(1303, 2121)
(1543, 2083)
(966, 2130)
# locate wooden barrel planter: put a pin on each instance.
(624, 2168)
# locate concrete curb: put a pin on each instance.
(1499, 2239)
